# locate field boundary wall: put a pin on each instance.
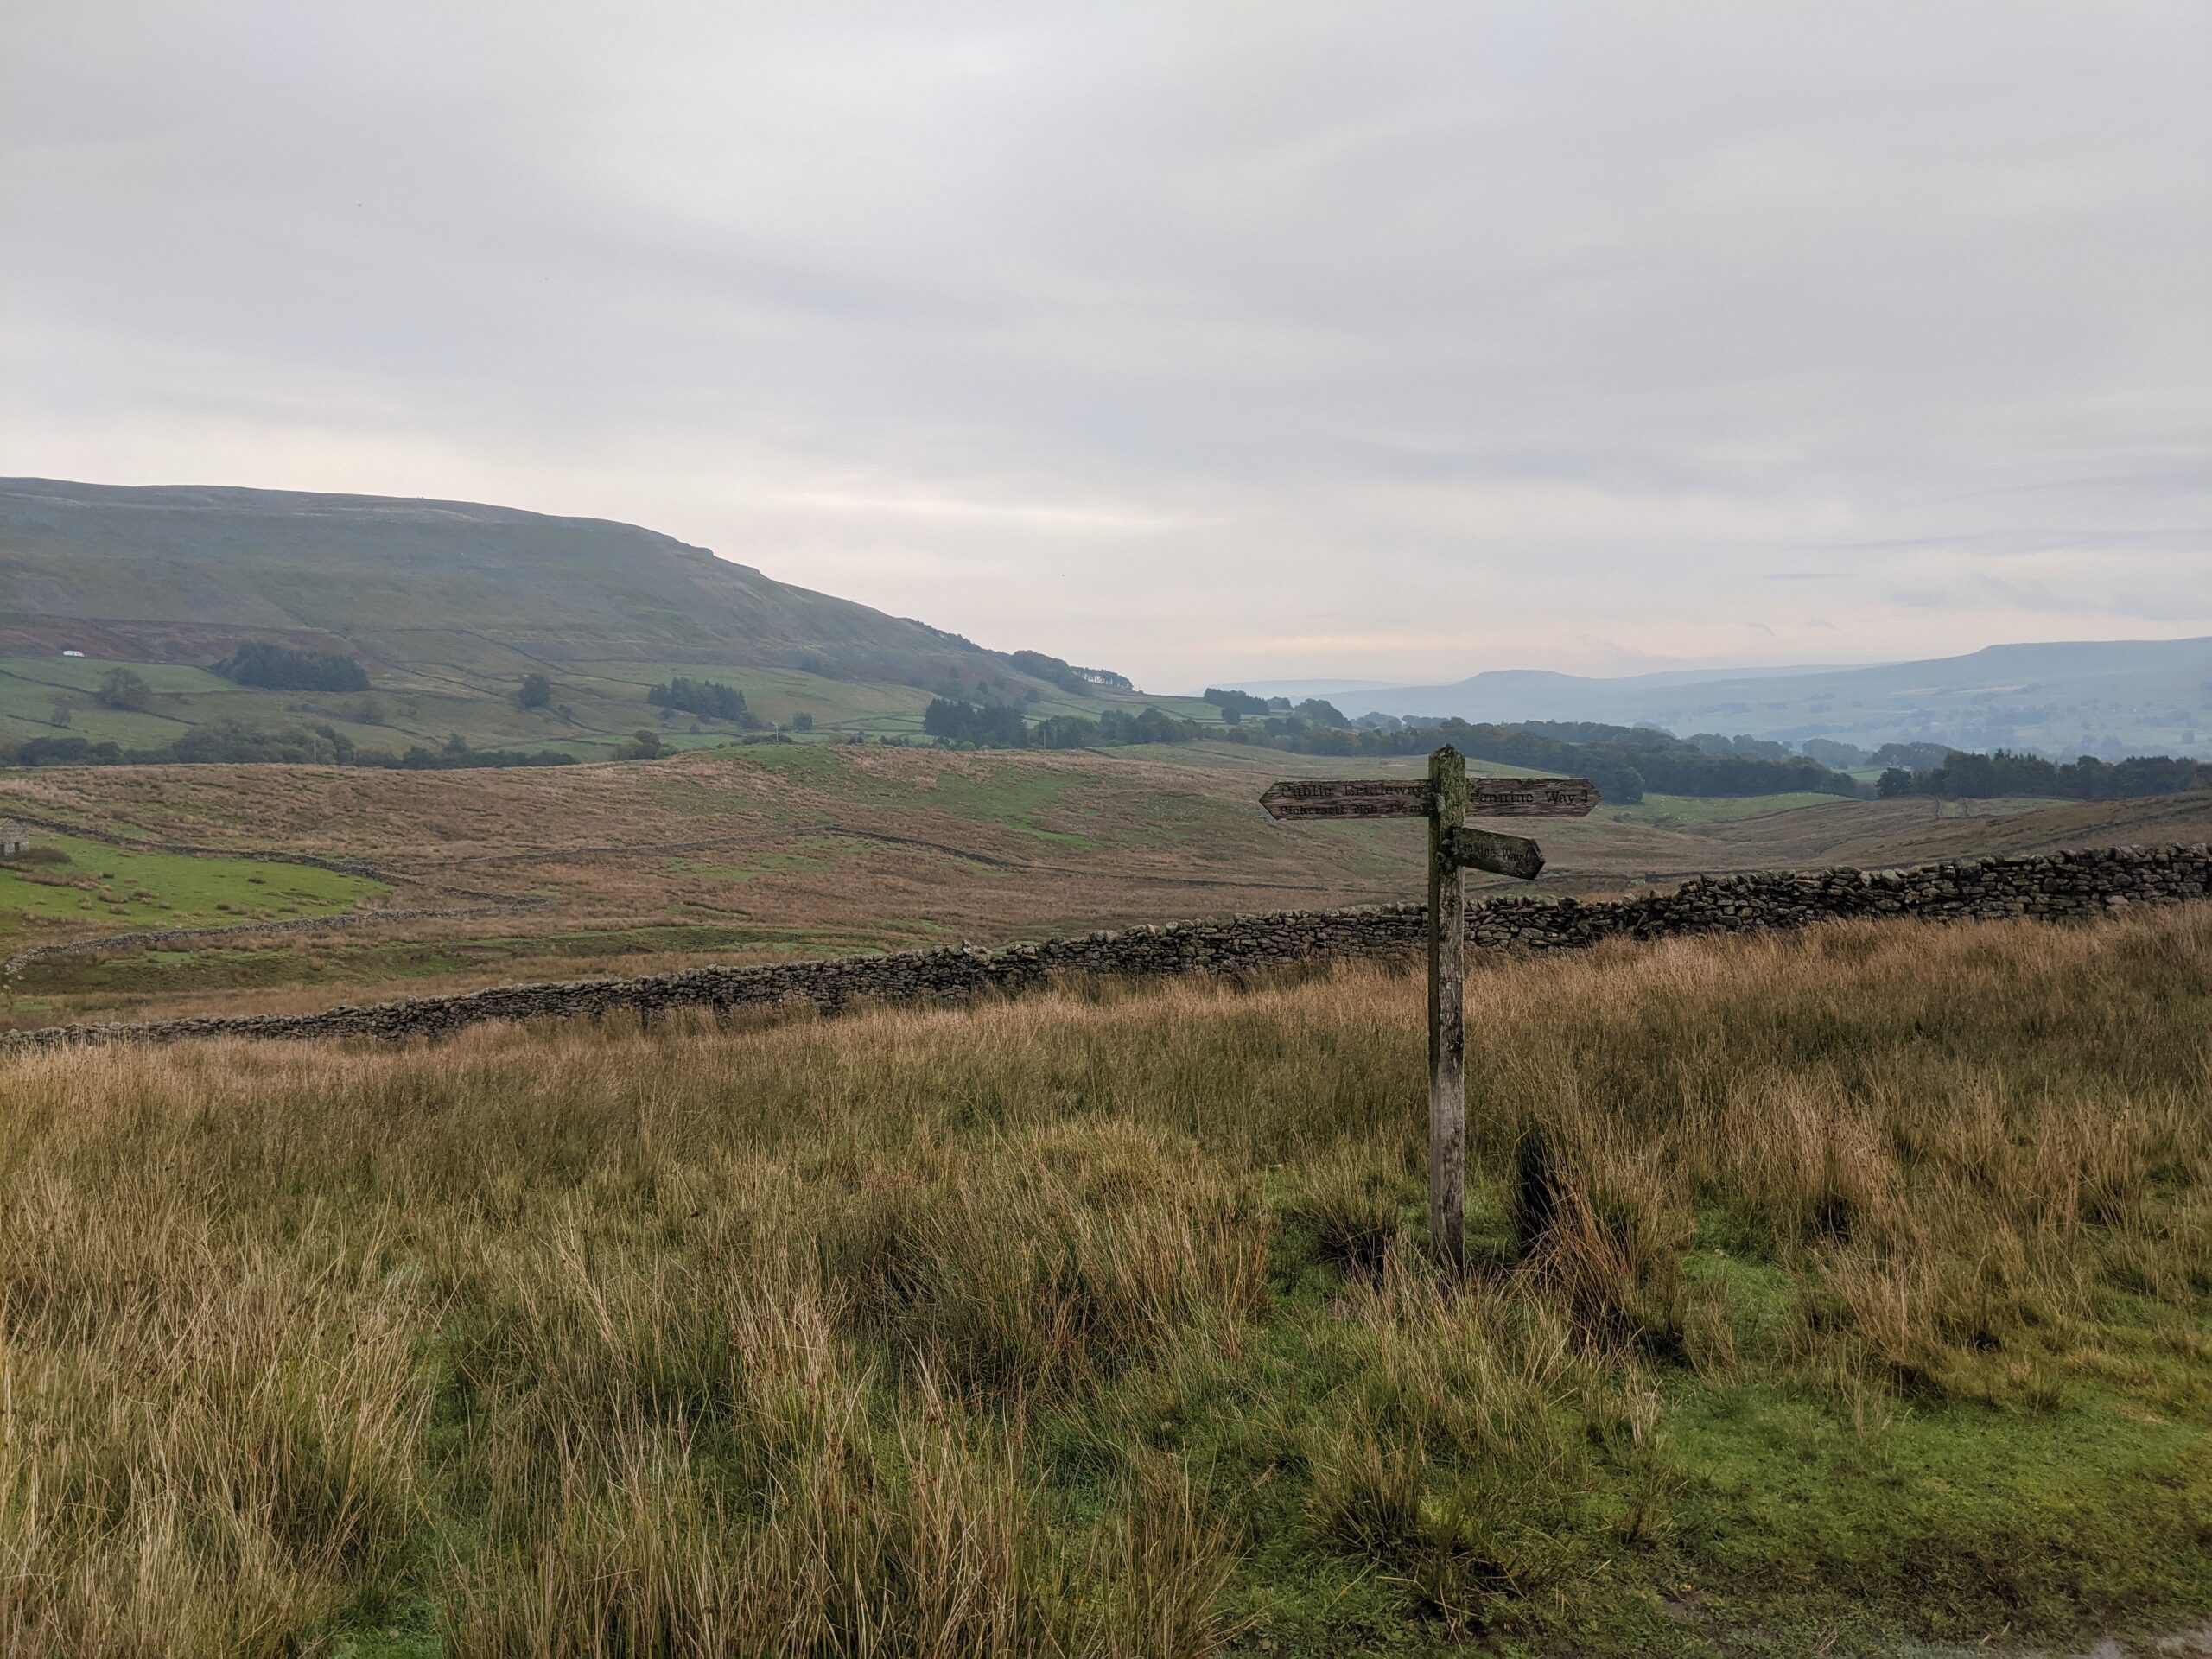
(2055, 886)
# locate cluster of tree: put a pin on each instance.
(1965, 776)
(710, 699)
(987, 726)
(279, 668)
(1117, 726)
(1052, 670)
(1074, 680)
(1617, 779)
(1693, 773)
(1000, 725)
(229, 741)
(122, 688)
(59, 752)
(1623, 761)
(1592, 731)
(1295, 722)
(1913, 757)
(1744, 743)
(1283, 721)
(1834, 752)
(1235, 705)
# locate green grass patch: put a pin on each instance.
(1689, 811)
(1012, 795)
(105, 889)
(980, 787)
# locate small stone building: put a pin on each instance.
(14, 838)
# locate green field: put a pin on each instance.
(595, 705)
(425, 705)
(1688, 811)
(107, 889)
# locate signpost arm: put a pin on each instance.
(1445, 798)
(1447, 1090)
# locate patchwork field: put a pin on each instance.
(97, 886)
(455, 684)
(428, 700)
(769, 850)
(1843, 1293)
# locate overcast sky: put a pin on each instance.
(1199, 341)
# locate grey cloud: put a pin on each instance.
(1187, 340)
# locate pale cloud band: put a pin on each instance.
(1392, 342)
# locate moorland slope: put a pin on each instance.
(768, 852)
(174, 573)
(447, 607)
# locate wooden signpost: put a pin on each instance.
(1444, 797)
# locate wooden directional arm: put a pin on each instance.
(1349, 798)
(1478, 850)
(1530, 797)
(1416, 797)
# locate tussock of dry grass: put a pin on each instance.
(1098, 1323)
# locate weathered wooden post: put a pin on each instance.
(1447, 1013)
(1445, 798)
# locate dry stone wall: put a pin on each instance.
(2055, 887)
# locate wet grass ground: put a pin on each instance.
(1837, 1293)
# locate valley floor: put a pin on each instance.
(782, 850)
(1848, 1292)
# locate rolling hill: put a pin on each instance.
(447, 604)
(170, 574)
(2129, 696)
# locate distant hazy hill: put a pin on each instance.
(180, 573)
(2144, 696)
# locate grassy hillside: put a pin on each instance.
(447, 604)
(186, 563)
(1841, 1294)
(759, 853)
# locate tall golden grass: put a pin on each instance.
(887, 1335)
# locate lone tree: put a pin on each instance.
(121, 689)
(535, 692)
